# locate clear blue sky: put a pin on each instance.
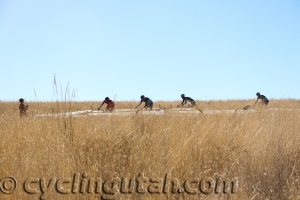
(208, 50)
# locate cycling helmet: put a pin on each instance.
(182, 95)
(257, 94)
(142, 96)
(106, 98)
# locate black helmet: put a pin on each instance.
(21, 99)
(106, 98)
(257, 93)
(142, 96)
(182, 95)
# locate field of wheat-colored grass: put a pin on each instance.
(259, 150)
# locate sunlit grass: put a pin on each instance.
(260, 149)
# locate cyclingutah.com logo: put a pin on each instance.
(111, 188)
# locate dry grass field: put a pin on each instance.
(251, 155)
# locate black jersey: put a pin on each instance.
(146, 99)
(186, 99)
(263, 98)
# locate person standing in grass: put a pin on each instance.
(110, 105)
(264, 100)
(22, 107)
(148, 102)
(185, 99)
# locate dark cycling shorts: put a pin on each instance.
(266, 101)
(149, 104)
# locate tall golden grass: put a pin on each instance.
(259, 149)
